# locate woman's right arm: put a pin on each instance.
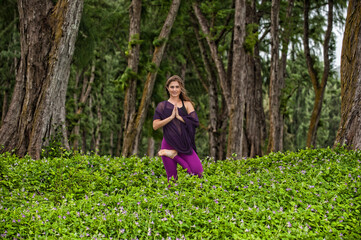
(157, 123)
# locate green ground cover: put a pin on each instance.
(311, 194)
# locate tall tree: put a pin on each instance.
(275, 140)
(211, 88)
(349, 132)
(319, 85)
(132, 69)
(255, 127)
(133, 132)
(236, 113)
(37, 109)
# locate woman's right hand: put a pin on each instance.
(173, 113)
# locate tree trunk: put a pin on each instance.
(319, 87)
(222, 125)
(255, 129)
(97, 130)
(119, 138)
(111, 144)
(234, 144)
(47, 35)
(132, 70)
(213, 131)
(86, 89)
(150, 149)
(83, 146)
(226, 88)
(275, 139)
(349, 132)
(134, 130)
(4, 107)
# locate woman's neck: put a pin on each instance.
(174, 99)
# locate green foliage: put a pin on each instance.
(159, 42)
(309, 194)
(252, 37)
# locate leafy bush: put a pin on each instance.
(309, 194)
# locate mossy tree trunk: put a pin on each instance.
(37, 109)
(132, 70)
(349, 132)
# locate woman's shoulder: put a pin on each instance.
(189, 106)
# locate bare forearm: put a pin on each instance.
(160, 123)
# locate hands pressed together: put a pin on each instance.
(175, 114)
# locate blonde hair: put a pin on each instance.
(183, 95)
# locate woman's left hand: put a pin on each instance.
(179, 117)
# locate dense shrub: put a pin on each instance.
(307, 194)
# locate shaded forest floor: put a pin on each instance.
(306, 194)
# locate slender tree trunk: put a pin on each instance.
(150, 149)
(83, 146)
(48, 35)
(119, 139)
(235, 138)
(133, 133)
(111, 143)
(132, 70)
(213, 132)
(97, 130)
(222, 125)
(86, 89)
(92, 142)
(319, 86)
(349, 132)
(275, 139)
(226, 88)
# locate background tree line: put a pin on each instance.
(262, 74)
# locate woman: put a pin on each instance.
(178, 119)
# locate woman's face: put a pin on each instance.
(174, 89)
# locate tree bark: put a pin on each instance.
(4, 107)
(97, 130)
(213, 131)
(119, 138)
(234, 144)
(275, 138)
(84, 145)
(36, 111)
(111, 143)
(134, 131)
(226, 88)
(319, 86)
(255, 129)
(132, 71)
(150, 149)
(86, 89)
(349, 132)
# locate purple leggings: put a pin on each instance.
(190, 162)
